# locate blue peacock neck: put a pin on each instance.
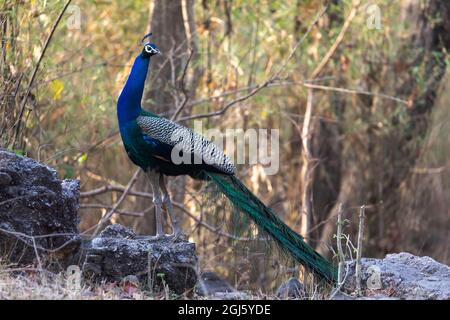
(129, 102)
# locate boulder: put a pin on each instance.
(38, 212)
(403, 276)
(210, 284)
(118, 253)
(39, 225)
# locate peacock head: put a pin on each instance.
(150, 49)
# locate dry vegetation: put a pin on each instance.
(34, 284)
(363, 117)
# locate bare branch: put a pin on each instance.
(354, 91)
(338, 40)
(183, 88)
(339, 245)
(307, 170)
(117, 211)
(180, 206)
(113, 209)
(263, 85)
(305, 83)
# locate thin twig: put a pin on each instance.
(24, 197)
(180, 206)
(300, 42)
(339, 245)
(338, 40)
(249, 87)
(307, 170)
(183, 88)
(263, 85)
(38, 259)
(22, 236)
(117, 211)
(354, 91)
(215, 230)
(339, 286)
(113, 209)
(359, 249)
(306, 83)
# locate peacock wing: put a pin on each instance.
(186, 140)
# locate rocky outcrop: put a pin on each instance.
(39, 226)
(403, 276)
(38, 212)
(118, 253)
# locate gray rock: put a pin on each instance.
(39, 219)
(403, 276)
(5, 179)
(210, 284)
(118, 253)
(291, 289)
(343, 296)
(339, 295)
(236, 295)
(35, 203)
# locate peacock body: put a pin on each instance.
(150, 142)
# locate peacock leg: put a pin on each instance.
(157, 201)
(169, 207)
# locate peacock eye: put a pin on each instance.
(148, 49)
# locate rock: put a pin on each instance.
(237, 295)
(210, 284)
(291, 289)
(36, 205)
(403, 276)
(34, 202)
(5, 179)
(341, 296)
(344, 296)
(213, 286)
(118, 253)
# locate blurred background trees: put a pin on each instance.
(377, 133)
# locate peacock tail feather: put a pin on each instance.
(266, 220)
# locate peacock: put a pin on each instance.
(150, 142)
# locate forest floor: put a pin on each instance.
(29, 284)
(399, 276)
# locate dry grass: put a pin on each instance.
(32, 284)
